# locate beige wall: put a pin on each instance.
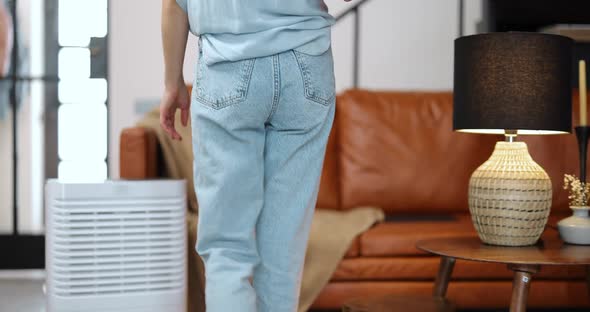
(135, 65)
(405, 45)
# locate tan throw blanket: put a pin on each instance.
(331, 234)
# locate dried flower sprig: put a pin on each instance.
(578, 191)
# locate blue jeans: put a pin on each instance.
(260, 128)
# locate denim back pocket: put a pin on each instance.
(317, 72)
(223, 84)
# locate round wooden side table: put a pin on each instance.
(524, 261)
(398, 304)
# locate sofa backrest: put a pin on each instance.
(558, 154)
(397, 151)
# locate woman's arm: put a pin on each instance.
(175, 29)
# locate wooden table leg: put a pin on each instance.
(444, 276)
(520, 286)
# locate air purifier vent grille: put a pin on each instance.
(114, 246)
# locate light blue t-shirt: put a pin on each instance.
(233, 30)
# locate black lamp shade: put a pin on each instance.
(513, 81)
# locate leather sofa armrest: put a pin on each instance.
(138, 156)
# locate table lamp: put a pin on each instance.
(513, 83)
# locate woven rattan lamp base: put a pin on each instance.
(510, 197)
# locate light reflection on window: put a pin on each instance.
(74, 63)
(79, 20)
(82, 131)
(82, 90)
(82, 171)
(82, 115)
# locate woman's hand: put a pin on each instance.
(174, 36)
(175, 97)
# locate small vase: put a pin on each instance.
(576, 229)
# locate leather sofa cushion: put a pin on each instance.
(329, 195)
(355, 248)
(558, 154)
(138, 154)
(465, 294)
(426, 268)
(398, 152)
(397, 237)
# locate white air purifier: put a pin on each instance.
(116, 246)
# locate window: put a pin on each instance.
(82, 96)
(53, 113)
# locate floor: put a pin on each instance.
(22, 291)
(500, 310)
(496, 310)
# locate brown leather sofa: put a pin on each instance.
(397, 151)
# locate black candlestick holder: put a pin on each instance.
(582, 134)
